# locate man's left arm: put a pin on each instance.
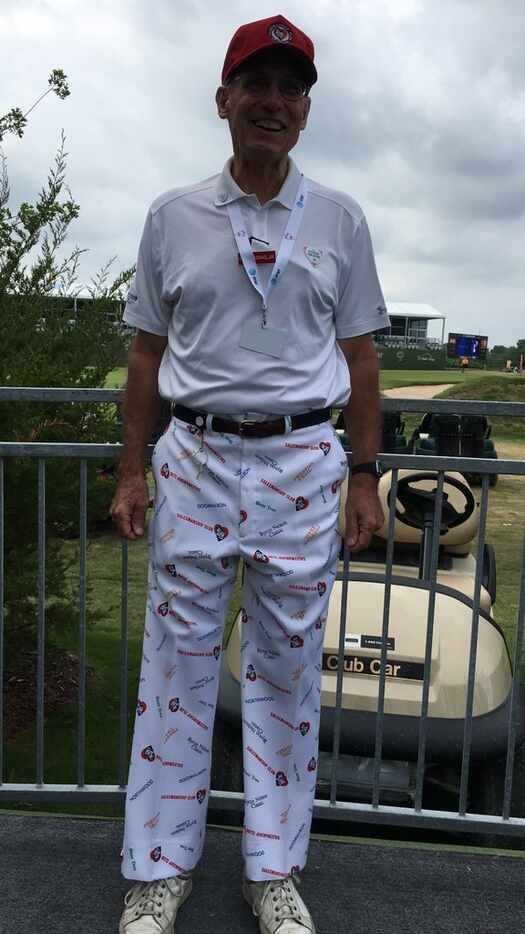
(363, 422)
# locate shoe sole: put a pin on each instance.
(171, 928)
(262, 927)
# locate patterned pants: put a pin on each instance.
(274, 502)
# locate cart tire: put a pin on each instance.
(487, 785)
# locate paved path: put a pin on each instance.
(416, 392)
(61, 875)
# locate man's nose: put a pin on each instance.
(272, 97)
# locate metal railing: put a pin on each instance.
(416, 816)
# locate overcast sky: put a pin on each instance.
(418, 113)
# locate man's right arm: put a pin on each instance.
(140, 411)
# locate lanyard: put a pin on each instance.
(285, 249)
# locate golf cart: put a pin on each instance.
(455, 436)
(393, 439)
(414, 508)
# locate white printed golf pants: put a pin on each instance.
(273, 502)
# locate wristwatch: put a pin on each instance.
(373, 467)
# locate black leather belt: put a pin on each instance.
(249, 428)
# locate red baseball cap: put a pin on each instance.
(267, 33)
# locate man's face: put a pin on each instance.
(264, 122)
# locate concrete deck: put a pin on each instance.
(61, 875)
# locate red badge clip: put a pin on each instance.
(262, 257)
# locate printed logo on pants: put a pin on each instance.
(221, 532)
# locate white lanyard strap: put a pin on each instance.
(285, 250)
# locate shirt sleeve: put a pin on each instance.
(361, 308)
(145, 307)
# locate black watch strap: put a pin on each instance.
(373, 467)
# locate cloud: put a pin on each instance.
(418, 113)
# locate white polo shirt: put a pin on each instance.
(190, 286)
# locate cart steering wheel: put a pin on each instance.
(419, 504)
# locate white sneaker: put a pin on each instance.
(151, 907)
(278, 906)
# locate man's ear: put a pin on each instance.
(306, 105)
(222, 99)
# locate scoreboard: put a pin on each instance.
(467, 345)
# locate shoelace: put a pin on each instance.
(150, 898)
(284, 900)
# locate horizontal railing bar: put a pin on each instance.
(234, 800)
(44, 394)
(454, 406)
(408, 817)
(403, 461)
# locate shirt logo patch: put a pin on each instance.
(313, 254)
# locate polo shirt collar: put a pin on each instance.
(227, 189)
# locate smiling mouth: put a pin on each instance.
(268, 126)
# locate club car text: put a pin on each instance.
(365, 665)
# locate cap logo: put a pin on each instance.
(280, 33)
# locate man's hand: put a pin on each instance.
(363, 512)
(128, 509)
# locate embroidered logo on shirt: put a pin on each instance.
(313, 254)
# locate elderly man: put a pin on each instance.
(255, 298)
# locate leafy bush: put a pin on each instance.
(46, 344)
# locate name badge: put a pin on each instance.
(262, 257)
(269, 341)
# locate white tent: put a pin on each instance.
(414, 311)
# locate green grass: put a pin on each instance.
(116, 379)
(391, 379)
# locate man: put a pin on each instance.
(255, 298)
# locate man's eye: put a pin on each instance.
(292, 89)
(255, 82)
